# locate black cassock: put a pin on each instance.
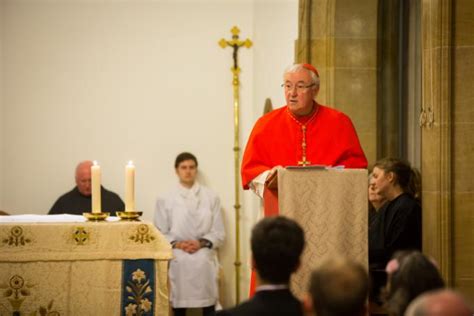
(73, 202)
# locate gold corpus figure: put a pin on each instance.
(235, 43)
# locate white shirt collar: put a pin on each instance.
(271, 287)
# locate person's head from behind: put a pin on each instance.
(186, 168)
(409, 274)
(338, 287)
(301, 86)
(83, 177)
(277, 244)
(391, 175)
(439, 303)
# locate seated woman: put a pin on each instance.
(397, 224)
(410, 273)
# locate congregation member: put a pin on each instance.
(338, 287)
(302, 132)
(78, 200)
(410, 273)
(277, 243)
(397, 224)
(443, 302)
(376, 200)
(189, 216)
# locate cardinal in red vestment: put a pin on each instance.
(301, 133)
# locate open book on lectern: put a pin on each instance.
(317, 167)
(272, 181)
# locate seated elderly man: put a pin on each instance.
(338, 287)
(78, 200)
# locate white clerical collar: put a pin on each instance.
(271, 287)
(189, 191)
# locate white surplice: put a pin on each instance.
(186, 214)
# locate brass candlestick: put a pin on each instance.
(130, 215)
(96, 217)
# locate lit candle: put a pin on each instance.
(95, 178)
(130, 187)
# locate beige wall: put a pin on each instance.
(134, 80)
(463, 149)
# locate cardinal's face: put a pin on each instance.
(300, 92)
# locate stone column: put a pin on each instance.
(436, 123)
(339, 37)
(463, 146)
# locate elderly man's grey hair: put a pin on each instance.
(299, 67)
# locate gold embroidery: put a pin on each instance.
(137, 292)
(80, 235)
(142, 234)
(17, 291)
(16, 237)
(46, 311)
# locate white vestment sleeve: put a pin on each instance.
(162, 220)
(216, 234)
(258, 183)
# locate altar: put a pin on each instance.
(64, 265)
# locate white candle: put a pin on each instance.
(130, 187)
(95, 178)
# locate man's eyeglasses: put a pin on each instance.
(299, 87)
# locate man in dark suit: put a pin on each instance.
(277, 244)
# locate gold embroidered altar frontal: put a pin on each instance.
(79, 268)
(332, 207)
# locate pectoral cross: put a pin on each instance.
(303, 161)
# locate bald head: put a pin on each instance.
(439, 303)
(83, 177)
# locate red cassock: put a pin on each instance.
(277, 139)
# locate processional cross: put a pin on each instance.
(236, 44)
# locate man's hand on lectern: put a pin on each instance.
(272, 179)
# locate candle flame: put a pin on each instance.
(130, 163)
(95, 163)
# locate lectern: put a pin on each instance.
(331, 206)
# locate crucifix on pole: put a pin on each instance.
(236, 43)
